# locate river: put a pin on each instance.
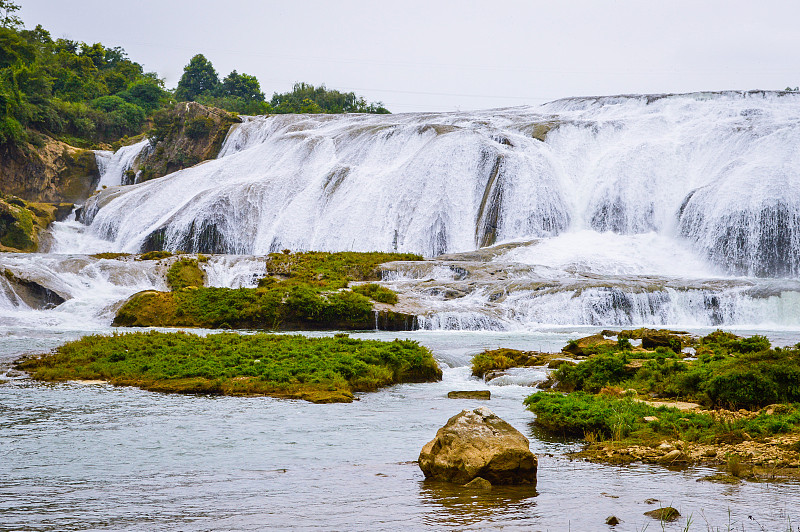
(82, 456)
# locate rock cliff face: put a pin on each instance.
(54, 172)
(182, 136)
(22, 222)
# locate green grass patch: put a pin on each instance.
(729, 372)
(580, 413)
(376, 292)
(109, 255)
(330, 271)
(185, 273)
(317, 369)
(155, 255)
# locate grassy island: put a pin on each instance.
(727, 400)
(320, 370)
(301, 291)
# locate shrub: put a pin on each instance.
(377, 293)
(593, 374)
(199, 127)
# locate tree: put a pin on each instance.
(199, 77)
(13, 48)
(7, 17)
(306, 98)
(242, 86)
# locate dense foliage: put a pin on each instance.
(376, 292)
(241, 93)
(87, 94)
(82, 93)
(306, 98)
(318, 369)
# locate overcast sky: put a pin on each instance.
(437, 55)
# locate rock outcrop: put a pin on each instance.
(477, 443)
(22, 222)
(54, 172)
(182, 136)
(28, 292)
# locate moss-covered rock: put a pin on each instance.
(185, 273)
(21, 222)
(504, 358)
(184, 135)
(301, 291)
(54, 172)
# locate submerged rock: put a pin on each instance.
(479, 483)
(477, 443)
(668, 513)
(470, 394)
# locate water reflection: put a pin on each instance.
(455, 505)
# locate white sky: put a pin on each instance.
(441, 55)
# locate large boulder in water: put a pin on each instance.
(478, 444)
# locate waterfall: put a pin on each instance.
(114, 165)
(615, 211)
(718, 171)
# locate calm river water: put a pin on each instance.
(96, 457)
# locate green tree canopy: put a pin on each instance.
(81, 93)
(199, 77)
(306, 98)
(242, 86)
(7, 17)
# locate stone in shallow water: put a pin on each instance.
(668, 513)
(479, 483)
(470, 394)
(477, 443)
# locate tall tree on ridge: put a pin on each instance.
(199, 77)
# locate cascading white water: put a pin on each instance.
(92, 287)
(113, 165)
(228, 271)
(716, 170)
(632, 206)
